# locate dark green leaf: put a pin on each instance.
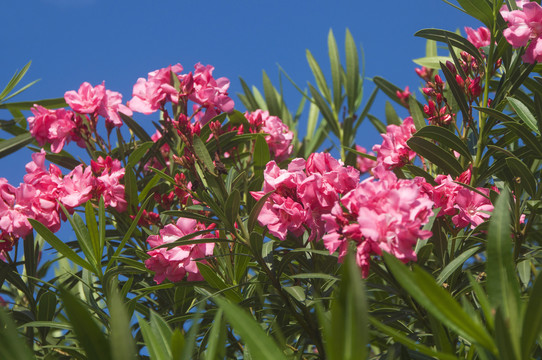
(136, 128)
(532, 320)
(416, 112)
(12, 346)
(456, 264)
(445, 137)
(88, 333)
(15, 143)
(59, 245)
(527, 179)
(479, 9)
(455, 40)
(262, 346)
(423, 288)
(438, 156)
(524, 113)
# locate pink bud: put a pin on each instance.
(451, 67)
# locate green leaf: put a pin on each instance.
(335, 64)
(15, 143)
(121, 339)
(217, 338)
(88, 333)
(458, 93)
(532, 142)
(379, 125)
(232, 206)
(58, 245)
(346, 335)
(524, 113)
(438, 156)
(502, 283)
(216, 282)
(318, 76)
(423, 288)
(352, 72)
(408, 342)
(432, 62)
(391, 116)
(271, 96)
(261, 155)
(455, 40)
(416, 112)
(532, 320)
(328, 115)
(12, 346)
(138, 153)
(262, 346)
(156, 337)
(479, 9)
(527, 179)
(93, 231)
(203, 154)
(455, 264)
(135, 128)
(26, 105)
(446, 138)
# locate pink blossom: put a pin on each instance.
(76, 187)
(394, 151)
(474, 208)
(525, 27)
(210, 93)
(380, 214)
(149, 95)
(107, 183)
(110, 108)
(51, 126)
(279, 138)
(480, 37)
(362, 163)
(181, 261)
(87, 99)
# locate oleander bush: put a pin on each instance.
(272, 234)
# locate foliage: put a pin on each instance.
(209, 239)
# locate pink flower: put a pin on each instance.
(362, 163)
(181, 261)
(480, 37)
(76, 187)
(525, 27)
(279, 138)
(107, 183)
(384, 214)
(110, 108)
(210, 93)
(87, 99)
(474, 208)
(149, 95)
(51, 126)
(394, 151)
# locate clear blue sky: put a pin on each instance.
(72, 41)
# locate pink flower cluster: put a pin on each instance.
(380, 214)
(208, 94)
(394, 151)
(98, 101)
(525, 29)
(59, 127)
(38, 197)
(279, 136)
(180, 261)
(467, 207)
(302, 193)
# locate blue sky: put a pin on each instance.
(72, 41)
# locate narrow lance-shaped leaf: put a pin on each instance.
(502, 283)
(423, 288)
(261, 344)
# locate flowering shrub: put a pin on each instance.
(224, 235)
